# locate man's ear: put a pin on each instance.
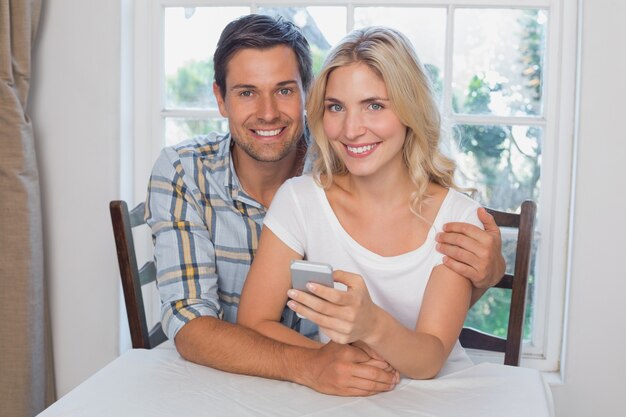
(217, 92)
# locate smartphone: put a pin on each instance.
(305, 271)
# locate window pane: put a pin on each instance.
(490, 314)
(331, 21)
(425, 27)
(503, 164)
(191, 34)
(498, 61)
(178, 129)
(322, 27)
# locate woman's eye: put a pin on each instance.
(376, 106)
(334, 107)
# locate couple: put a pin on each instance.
(371, 205)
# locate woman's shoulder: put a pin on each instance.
(302, 188)
(458, 206)
(462, 199)
(302, 182)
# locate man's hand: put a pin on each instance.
(375, 358)
(474, 253)
(347, 371)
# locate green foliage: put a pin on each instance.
(507, 164)
(434, 74)
(507, 172)
(485, 143)
(192, 85)
(319, 56)
(530, 51)
(479, 95)
(491, 313)
(181, 129)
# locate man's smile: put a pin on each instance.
(268, 133)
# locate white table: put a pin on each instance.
(159, 382)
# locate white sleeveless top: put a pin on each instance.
(302, 218)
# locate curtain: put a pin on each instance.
(26, 373)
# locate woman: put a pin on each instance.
(379, 192)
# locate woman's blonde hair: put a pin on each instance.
(391, 56)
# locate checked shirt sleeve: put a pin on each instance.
(183, 250)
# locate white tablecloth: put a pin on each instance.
(160, 383)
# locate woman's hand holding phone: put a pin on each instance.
(344, 316)
(303, 272)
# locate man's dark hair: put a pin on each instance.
(261, 32)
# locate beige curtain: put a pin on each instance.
(26, 377)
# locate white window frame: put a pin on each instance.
(558, 122)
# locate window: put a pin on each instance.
(504, 74)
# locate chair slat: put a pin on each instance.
(517, 283)
(506, 282)
(147, 273)
(137, 215)
(132, 278)
(475, 339)
(157, 336)
(505, 219)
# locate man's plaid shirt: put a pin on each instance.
(205, 230)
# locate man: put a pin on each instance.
(206, 203)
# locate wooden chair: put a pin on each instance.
(133, 279)
(511, 346)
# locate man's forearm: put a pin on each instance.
(333, 369)
(222, 345)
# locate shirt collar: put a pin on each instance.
(231, 180)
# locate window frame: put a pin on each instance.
(557, 121)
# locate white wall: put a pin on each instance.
(75, 111)
(595, 363)
(75, 108)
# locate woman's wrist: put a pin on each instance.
(381, 324)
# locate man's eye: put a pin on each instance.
(245, 93)
(284, 91)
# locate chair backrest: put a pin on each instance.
(133, 278)
(511, 345)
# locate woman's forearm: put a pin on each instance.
(417, 355)
(282, 333)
